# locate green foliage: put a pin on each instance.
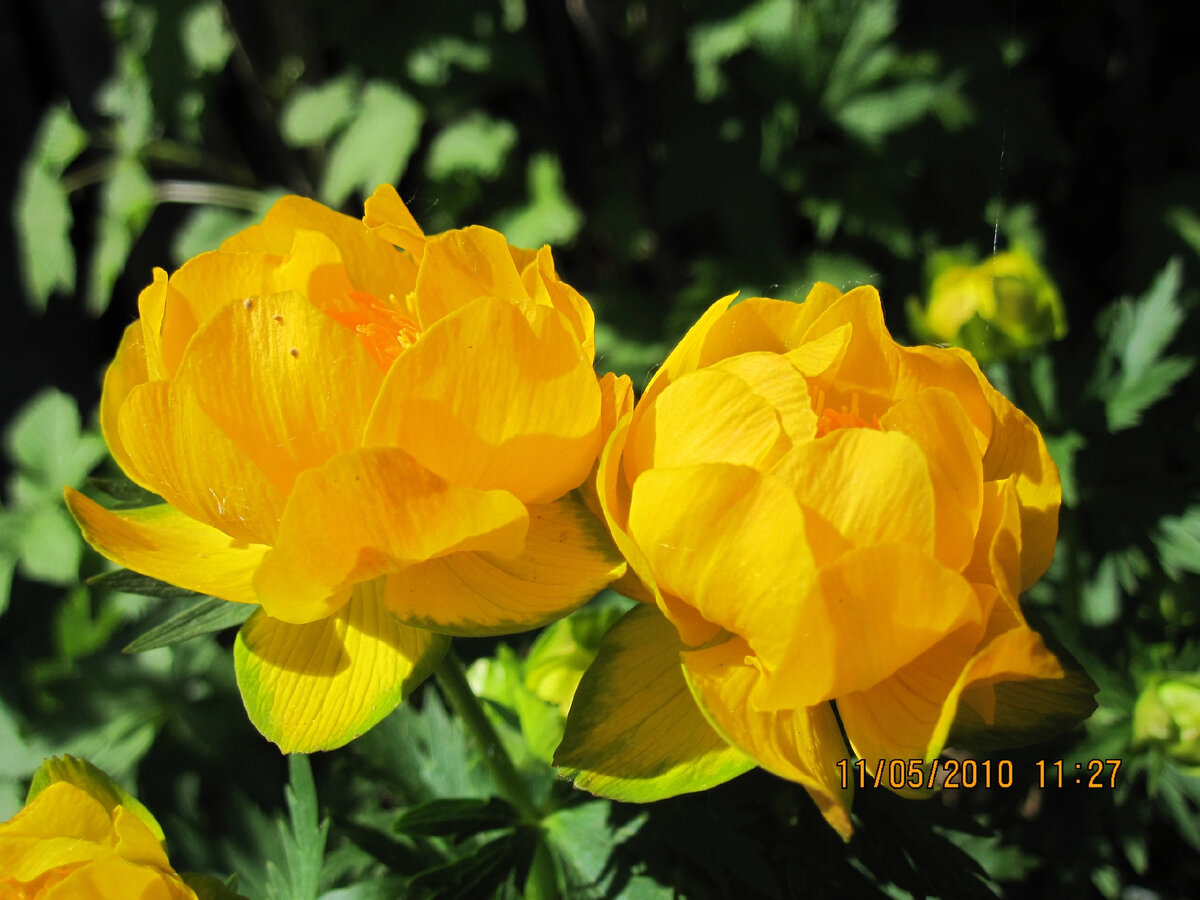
(303, 839)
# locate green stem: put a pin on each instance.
(542, 883)
(453, 681)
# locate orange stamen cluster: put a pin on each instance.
(830, 419)
(384, 331)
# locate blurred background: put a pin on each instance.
(671, 152)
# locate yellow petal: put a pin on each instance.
(163, 543)
(370, 512)
(1017, 448)
(568, 557)
(616, 403)
(186, 459)
(372, 264)
(547, 289)
(813, 359)
(996, 557)
(634, 732)
(936, 421)
(686, 355)
(877, 609)
(166, 327)
(730, 542)
(801, 745)
(491, 399)
(114, 877)
(387, 216)
(289, 385)
(124, 373)
(320, 685)
(755, 324)
(868, 368)
(872, 486)
(708, 416)
(85, 776)
(952, 369)
(776, 379)
(464, 265)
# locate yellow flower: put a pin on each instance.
(813, 514)
(1000, 307)
(378, 446)
(80, 835)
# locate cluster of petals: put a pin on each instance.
(372, 434)
(814, 516)
(81, 836)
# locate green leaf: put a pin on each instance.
(1177, 540)
(634, 732)
(46, 439)
(375, 148)
(50, 546)
(475, 145)
(43, 225)
(582, 838)
(129, 582)
(206, 40)
(126, 201)
(303, 842)
(209, 888)
(313, 115)
(59, 139)
(481, 872)
(1138, 333)
(460, 816)
(205, 617)
(549, 217)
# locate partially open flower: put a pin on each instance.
(815, 515)
(81, 835)
(377, 445)
(1000, 307)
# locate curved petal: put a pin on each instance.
(634, 732)
(321, 685)
(952, 369)
(289, 385)
(163, 543)
(370, 512)
(490, 399)
(686, 355)
(936, 421)
(386, 215)
(463, 265)
(996, 558)
(166, 326)
(776, 379)
(876, 609)
(708, 416)
(83, 775)
(730, 542)
(102, 877)
(755, 324)
(568, 558)
(874, 487)
(547, 289)
(193, 465)
(372, 264)
(868, 368)
(124, 373)
(801, 745)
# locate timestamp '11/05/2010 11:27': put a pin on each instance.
(971, 773)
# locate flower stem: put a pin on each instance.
(452, 680)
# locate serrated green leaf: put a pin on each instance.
(126, 201)
(476, 145)
(206, 39)
(479, 873)
(582, 838)
(209, 888)
(59, 140)
(43, 222)
(313, 115)
(303, 842)
(1132, 396)
(375, 148)
(206, 617)
(459, 816)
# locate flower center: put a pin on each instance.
(384, 331)
(830, 419)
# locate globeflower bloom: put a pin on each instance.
(815, 516)
(81, 835)
(372, 434)
(1004, 305)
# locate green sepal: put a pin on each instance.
(634, 732)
